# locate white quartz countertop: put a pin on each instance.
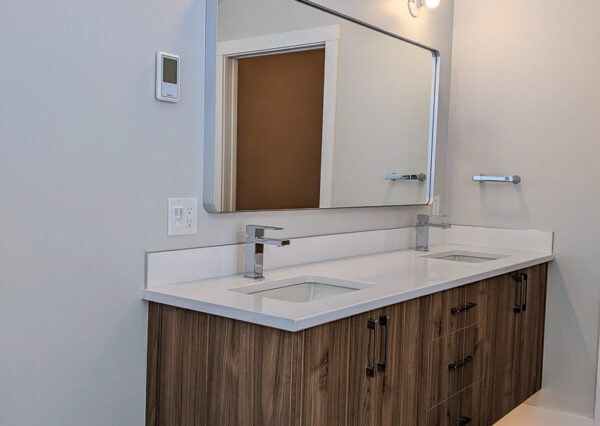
(394, 277)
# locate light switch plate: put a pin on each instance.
(183, 216)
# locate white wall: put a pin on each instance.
(524, 100)
(88, 159)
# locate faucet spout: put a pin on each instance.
(423, 225)
(277, 242)
(255, 247)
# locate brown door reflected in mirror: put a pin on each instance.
(279, 130)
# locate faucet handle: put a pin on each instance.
(259, 230)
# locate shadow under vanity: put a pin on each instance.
(431, 341)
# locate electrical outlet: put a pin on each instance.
(183, 216)
(435, 209)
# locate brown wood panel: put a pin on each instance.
(501, 353)
(443, 321)
(470, 406)
(461, 409)
(473, 346)
(532, 337)
(279, 130)
(153, 363)
(444, 414)
(362, 390)
(325, 374)
(251, 374)
(182, 372)
(458, 308)
(399, 384)
(475, 294)
(443, 381)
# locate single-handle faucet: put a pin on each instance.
(255, 246)
(423, 224)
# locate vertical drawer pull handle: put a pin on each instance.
(372, 326)
(521, 305)
(383, 322)
(464, 420)
(524, 278)
(455, 311)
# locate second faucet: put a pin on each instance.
(255, 246)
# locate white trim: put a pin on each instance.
(329, 116)
(226, 115)
(279, 41)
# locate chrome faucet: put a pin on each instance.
(423, 224)
(255, 246)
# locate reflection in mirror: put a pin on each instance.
(314, 110)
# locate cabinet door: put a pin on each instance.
(177, 357)
(252, 373)
(513, 355)
(399, 384)
(362, 370)
(532, 333)
(502, 352)
(386, 351)
(325, 374)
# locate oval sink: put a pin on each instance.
(302, 289)
(465, 256)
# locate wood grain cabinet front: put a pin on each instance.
(465, 356)
(452, 369)
(385, 355)
(461, 409)
(514, 347)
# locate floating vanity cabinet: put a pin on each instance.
(464, 356)
(515, 329)
(452, 369)
(385, 356)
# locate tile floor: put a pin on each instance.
(529, 415)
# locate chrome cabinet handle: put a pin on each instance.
(372, 326)
(383, 322)
(460, 309)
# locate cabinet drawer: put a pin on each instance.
(455, 362)
(457, 308)
(463, 409)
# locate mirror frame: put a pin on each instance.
(212, 181)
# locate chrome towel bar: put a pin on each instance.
(508, 179)
(395, 176)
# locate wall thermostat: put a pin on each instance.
(167, 77)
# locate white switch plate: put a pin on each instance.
(183, 216)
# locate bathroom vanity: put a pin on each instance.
(440, 338)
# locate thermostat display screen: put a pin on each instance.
(169, 70)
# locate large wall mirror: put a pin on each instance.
(316, 110)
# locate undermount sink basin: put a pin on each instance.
(302, 289)
(465, 256)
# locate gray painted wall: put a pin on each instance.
(524, 100)
(88, 159)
